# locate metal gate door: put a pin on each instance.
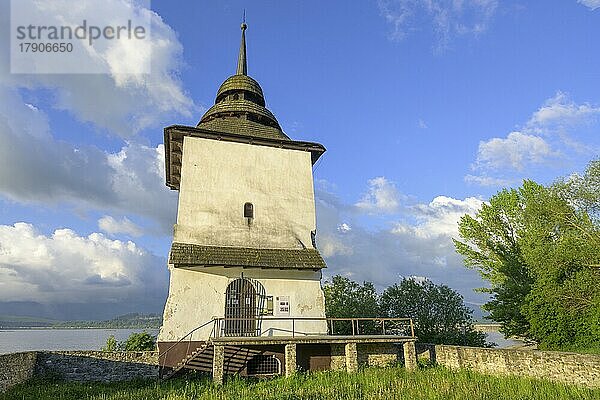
(244, 300)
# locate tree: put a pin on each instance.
(438, 312)
(562, 249)
(539, 248)
(135, 342)
(490, 244)
(140, 342)
(345, 298)
(111, 344)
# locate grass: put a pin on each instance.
(579, 349)
(371, 383)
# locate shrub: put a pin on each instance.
(111, 344)
(140, 342)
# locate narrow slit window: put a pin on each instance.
(248, 210)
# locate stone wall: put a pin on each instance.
(367, 355)
(78, 366)
(378, 354)
(338, 357)
(16, 368)
(82, 366)
(572, 368)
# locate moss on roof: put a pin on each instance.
(240, 82)
(186, 254)
(241, 126)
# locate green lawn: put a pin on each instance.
(372, 383)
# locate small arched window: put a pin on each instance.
(248, 210)
(263, 364)
(236, 97)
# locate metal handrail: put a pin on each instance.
(217, 322)
(354, 322)
(190, 333)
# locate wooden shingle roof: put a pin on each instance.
(186, 255)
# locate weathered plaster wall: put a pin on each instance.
(79, 366)
(217, 178)
(572, 368)
(197, 296)
(16, 368)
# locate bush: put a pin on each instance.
(111, 344)
(140, 342)
(135, 342)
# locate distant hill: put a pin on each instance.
(127, 321)
(12, 321)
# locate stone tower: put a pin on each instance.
(243, 246)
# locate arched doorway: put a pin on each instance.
(244, 300)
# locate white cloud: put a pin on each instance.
(560, 131)
(562, 111)
(112, 226)
(418, 279)
(344, 227)
(420, 246)
(515, 151)
(442, 214)
(121, 103)
(381, 197)
(330, 246)
(37, 169)
(439, 218)
(591, 4)
(448, 18)
(67, 268)
(484, 180)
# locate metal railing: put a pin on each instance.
(162, 357)
(402, 327)
(335, 326)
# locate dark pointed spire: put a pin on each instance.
(242, 67)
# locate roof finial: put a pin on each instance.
(242, 67)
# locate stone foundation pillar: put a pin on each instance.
(218, 364)
(351, 357)
(410, 355)
(290, 359)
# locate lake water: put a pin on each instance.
(12, 341)
(501, 341)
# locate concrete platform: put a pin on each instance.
(310, 339)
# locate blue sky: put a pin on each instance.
(427, 108)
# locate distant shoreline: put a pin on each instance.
(37, 328)
(126, 321)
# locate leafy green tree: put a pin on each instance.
(438, 312)
(539, 248)
(111, 344)
(140, 342)
(562, 248)
(490, 244)
(345, 298)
